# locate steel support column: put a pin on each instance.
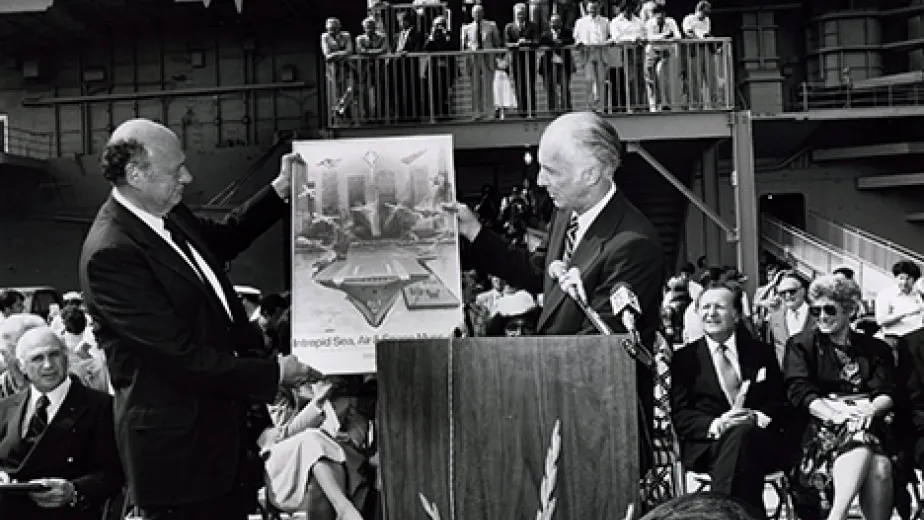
(745, 190)
(712, 244)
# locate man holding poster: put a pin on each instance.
(179, 344)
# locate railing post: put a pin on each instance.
(805, 104)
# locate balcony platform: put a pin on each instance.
(640, 126)
(19, 161)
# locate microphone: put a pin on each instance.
(557, 271)
(626, 307)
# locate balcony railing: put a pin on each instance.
(814, 257)
(814, 96)
(27, 143)
(862, 244)
(533, 82)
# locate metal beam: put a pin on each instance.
(636, 147)
(867, 151)
(875, 182)
(515, 132)
(745, 189)
(711, 232)
(158, 94)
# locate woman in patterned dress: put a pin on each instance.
(844, 384)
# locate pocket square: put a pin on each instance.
(761, 375)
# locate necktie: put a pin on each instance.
(179, 238)
(570, 239)
(39, 420)
(479, 38)
(731, 383)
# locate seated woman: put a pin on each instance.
(844, 382)
(316, 454)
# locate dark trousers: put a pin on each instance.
(524, 80)
(738, 462)
(233, 506)
(558, 79)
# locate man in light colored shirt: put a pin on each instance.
(698, 26)
(591, 34)
(481, 35)
(732, 429)
(899, 308)
(626, 32)
(660, 60)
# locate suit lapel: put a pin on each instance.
(13, 422)
(153, 244)
(73, 406)
(587, 253)
(747, 359)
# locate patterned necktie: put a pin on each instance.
(39, 420)
(731, 383)
(570, 238)
(479, 38)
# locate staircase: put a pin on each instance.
(813, 256)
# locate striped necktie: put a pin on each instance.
(570, 238)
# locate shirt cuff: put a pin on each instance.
(281, 373)
(283, 195)
(714, 432)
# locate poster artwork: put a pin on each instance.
(375, 253)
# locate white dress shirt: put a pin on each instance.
(588, 217)
(591, 30)
(157, 225)
(55, 399)
(696, 28)
(624, 29)
(891, 301)
(795, 319)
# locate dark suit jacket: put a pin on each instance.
(413, 43)
(779, 334)
(78, 445)
(697, 397)
(512, 33)
(182, 380)
(620, 246)
(556, 49)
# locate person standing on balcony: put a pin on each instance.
(371, 45)
(661, 32)
(478, 36)
(627, 30)
(591, 33)
(441, 69)
(409, 96)
(557, 65)
(521, 36)
(337, 47)
(899, 308)
(701, 56)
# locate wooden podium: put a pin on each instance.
(467, 428)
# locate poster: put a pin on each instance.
(375, 254)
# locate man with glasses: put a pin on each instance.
(793, 315)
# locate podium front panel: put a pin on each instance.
(498, 440)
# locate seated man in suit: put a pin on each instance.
(727, 400)
(57, 433)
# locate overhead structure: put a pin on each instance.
(25, 6)
(239, 4)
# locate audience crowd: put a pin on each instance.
(399, 67)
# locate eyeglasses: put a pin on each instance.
(828, 309)
(789, 292)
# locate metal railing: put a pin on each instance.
(817, 96)
(814, 257)
(862, 244)
(28, 143)
(529, 82)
